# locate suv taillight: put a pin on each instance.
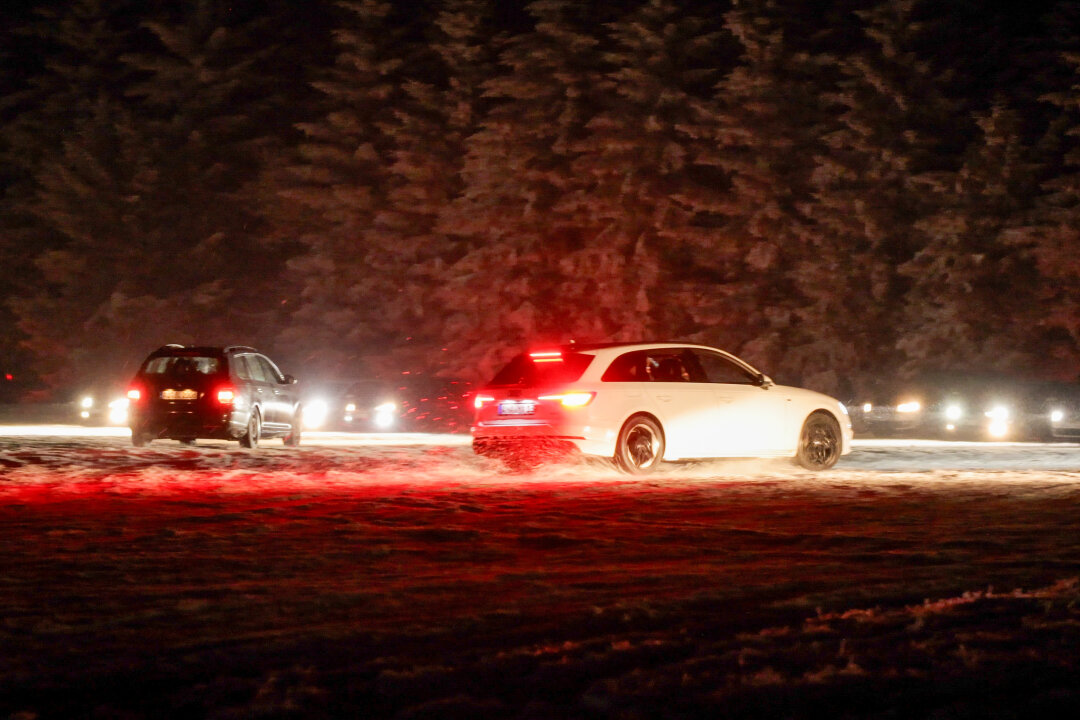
(134, 394)
(226, 395)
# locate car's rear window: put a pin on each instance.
(543, 369)
(183, 365)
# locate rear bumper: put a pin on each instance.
(175, 425)
(583, 439)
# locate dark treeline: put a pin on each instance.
(838, 191)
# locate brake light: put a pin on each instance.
(546, 356)
(134, 394)
(225, 396)
(481, 399)
(571, 399)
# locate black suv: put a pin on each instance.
(230, 393)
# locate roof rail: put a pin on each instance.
(240, 348)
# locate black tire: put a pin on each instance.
(640, 447)
(293, 438)
(187, 441)
(139, 439)
(820, 442)
(250, 438)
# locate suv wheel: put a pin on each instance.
(250, 438)
(293, 438)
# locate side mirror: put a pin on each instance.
(290, 380)
(765, 382)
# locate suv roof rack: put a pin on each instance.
(240, 348)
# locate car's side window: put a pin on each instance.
(719, 369)
(240, 365)
(663, 365)
(256, 370)
(270, 370)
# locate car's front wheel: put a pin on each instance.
(139, 439)
(820, 442)
(640, 446)
(250, 438)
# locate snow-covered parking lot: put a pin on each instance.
(361, 577)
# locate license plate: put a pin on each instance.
(179, 394)
(517, 408)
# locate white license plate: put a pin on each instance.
(517, 408)
(188, 394)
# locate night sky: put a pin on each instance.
(841, 192)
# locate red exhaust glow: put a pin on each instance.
(571, 399)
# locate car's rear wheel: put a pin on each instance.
(640, 446)
(820, 442)
(293, 438)
(250, 438)
(138, 439)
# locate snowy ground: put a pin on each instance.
(361, 577)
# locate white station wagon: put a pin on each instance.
(642, 404)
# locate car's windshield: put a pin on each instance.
(541, 369)
(182, 365)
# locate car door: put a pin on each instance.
(684, 401)
(750, 417)
(279, 398)
(260, 383)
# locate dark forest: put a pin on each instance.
(841, 192)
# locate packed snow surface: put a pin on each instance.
(401, 576)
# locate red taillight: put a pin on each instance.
(545, 356)
(481, 399)
(225, 396)
(134, 394)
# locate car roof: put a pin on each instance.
(212, 350)
(605, 352)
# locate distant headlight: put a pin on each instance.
(86, 403)
(867, 407)
(999, 421)
(384, 415)
(118, 411)
(315, 413)
(998, 412)
(954, 412)
(1057, 415)
(350, 407)
(910, 406)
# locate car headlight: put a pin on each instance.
(86, 403)
(909, 406)
(315, 413)
(954, 412)
(118, 411)
(1057, 416)
(384, 415)
(867, 407)
(998, 412)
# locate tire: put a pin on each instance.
(820, 442)
(139, 439)
(640, 447)
(293, 438)
(250, 438)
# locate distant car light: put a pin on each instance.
(384, 415)
(1057, 416)
(998, 412)
(86, 403)
(954, 412)
(118, 411)
(350, 407)
(867, 407)
(998, 428)
(910, 406)
(315, 413)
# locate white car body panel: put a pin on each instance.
(699, 419)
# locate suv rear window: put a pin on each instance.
(550, 369)
(182, 365)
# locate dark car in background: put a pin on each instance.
(408, 403)
(228, 393)
(970, 406)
